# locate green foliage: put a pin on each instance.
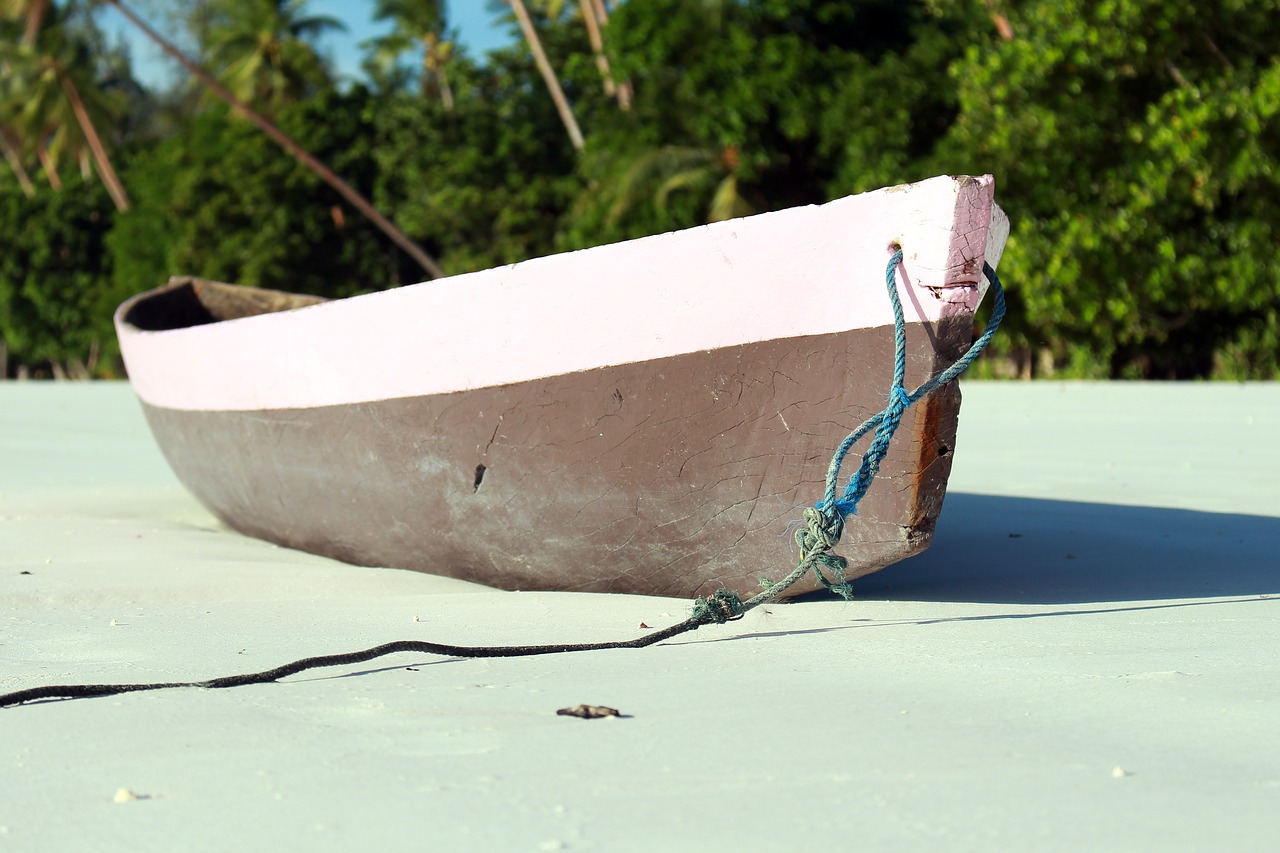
(420, 25)
(282, 228)
(1135, 145)
(261, 51)
(55, 311)
(138, 245)
(761, 106)
(54, 95)
(482, 185)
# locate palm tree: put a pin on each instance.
(54, 104)
(420, 22)
(262, 50)
(381, 63)
(594, 17)
(548, 74)
(322, 171)
(32, 14)
(662, 172)
(9, 148)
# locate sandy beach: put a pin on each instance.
(1085, 658)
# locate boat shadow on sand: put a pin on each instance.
(1005, 550)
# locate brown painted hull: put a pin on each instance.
(672, 476)
(647, 417)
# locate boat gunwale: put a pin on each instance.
(219, 364)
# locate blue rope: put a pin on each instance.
(832, 509)
(824, 522)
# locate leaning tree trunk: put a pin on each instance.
(35, 17)
(100, 159)
(358, 201)
(623, 89)
(10, 152)
(548, 74)
(50, 168)
(592, 22)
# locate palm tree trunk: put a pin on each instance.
(35, 17)
(433, 67)
(548, 75)
(1003, 27)
(597, 45)
(446, 91)
(358, 201)
(624, 94)
(15, 162)
(100, 158)
(50, 168)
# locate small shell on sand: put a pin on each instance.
(589, 712)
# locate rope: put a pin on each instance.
(817, 539)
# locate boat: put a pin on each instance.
(648, 417)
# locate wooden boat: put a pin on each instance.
(645, 417)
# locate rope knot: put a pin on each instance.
(719, 607)
(817, 539)
(821, 532)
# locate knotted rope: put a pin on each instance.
(824, 522)
(817, 539)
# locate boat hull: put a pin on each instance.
(677, 476)
(671, 475)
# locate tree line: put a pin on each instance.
(1135, 145)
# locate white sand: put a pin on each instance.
(1087, 658)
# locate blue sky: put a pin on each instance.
(474, 23)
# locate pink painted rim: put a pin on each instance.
(804, 271)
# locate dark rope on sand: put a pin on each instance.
(78, 691)
(824, 524)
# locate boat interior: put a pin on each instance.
(187, 301)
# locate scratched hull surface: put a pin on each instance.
(671, 477)
(529, 428)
